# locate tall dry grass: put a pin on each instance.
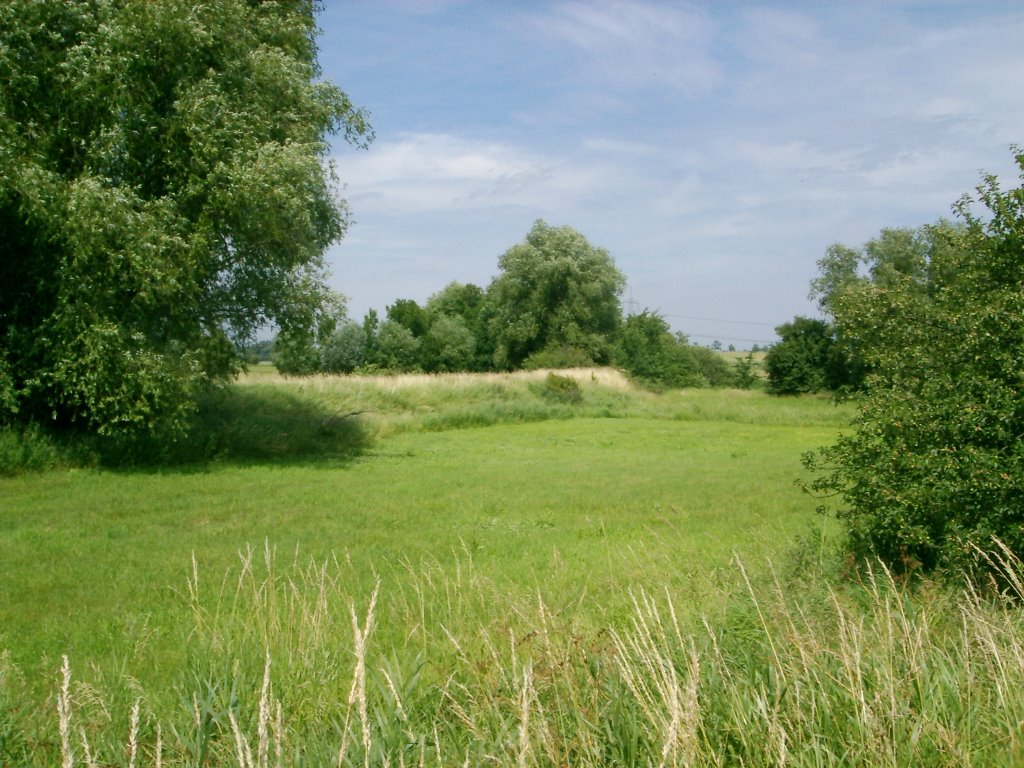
(605, 377)
(796, 670)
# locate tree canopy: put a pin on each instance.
(555, 290)
(163, 192)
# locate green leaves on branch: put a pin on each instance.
(163, 192)
(936, 466)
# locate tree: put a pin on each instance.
(904, 259)
(298, 349)
(649, 352)
(397, 349)
(162, 194)
(806, 358)
(555, 290)
(469, 303)
(345, 350)
(371, 328)
(408, 313)
(463, 300)
(448, 345)
(711, 367)
(936, 465)
(745, 372)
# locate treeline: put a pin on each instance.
(830, 353)
(554, 304)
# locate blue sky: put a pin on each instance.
(715, 149)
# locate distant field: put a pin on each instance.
(570, 504)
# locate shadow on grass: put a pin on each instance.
(244, 426)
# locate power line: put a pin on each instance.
(720, 320)
(728, 338)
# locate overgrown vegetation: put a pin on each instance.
(934, 469)
(287, 667)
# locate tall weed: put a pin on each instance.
(287, 669)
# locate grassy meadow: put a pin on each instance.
(476, 570)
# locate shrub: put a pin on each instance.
(805, 360)
(558, 357)
(563, 389)
(27, 450)
(345, 350)
(936, 466)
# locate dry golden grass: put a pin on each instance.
(605, 377)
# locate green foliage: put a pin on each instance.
(745, 372)
(257, 352)
(711, 367)
(409, 314)
(345, 350)
(29, 449)
(298, 349)
(396, 348)
(935, 467)
(807, 359)
(8, 396)
(468, 303)
(564, 389)
(448, 346)
(650, 353)
(555, 290)
(908, 260)
(162, 195)
(557, 357)
(463, 300)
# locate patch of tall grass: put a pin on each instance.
(267, 417)
(288, 668)
(435, 402)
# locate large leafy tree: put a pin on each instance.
(936, 465)
(163, 192)
(555, 290)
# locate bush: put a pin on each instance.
(936, 466)
(711, 367)
(563, 389)
(652, 355)
(558, 357)
(28, 450)
(345, 350)
(805, 360)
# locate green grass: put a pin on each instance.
(598, 498)
(473, 571)
(542, 517)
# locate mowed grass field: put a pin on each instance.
(474, 506)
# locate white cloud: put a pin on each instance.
(629, 44)
(416, 173)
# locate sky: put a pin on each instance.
(714, 149)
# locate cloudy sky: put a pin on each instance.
(715, 149)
